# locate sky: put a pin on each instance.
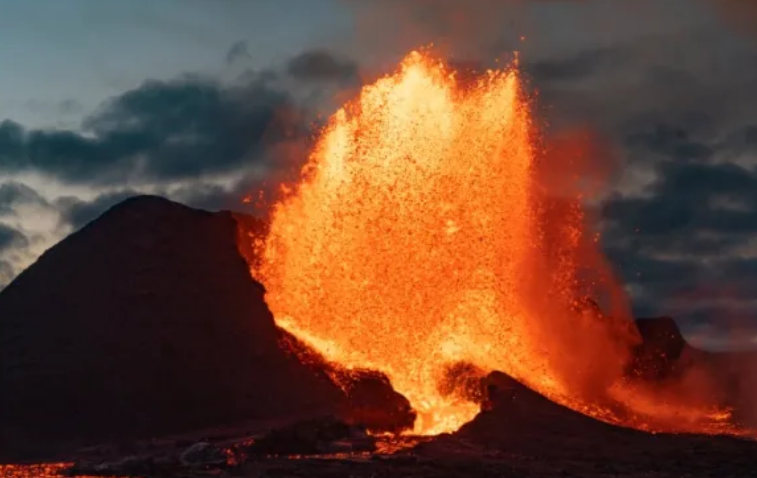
(206, 101)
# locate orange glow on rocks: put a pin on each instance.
(419, 239)
(48, 470)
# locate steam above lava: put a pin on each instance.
(420, 239)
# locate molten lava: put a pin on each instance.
(420, 239)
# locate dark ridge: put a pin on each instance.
(537, 437)
(144, 322)
(370, 400)
(526, 414)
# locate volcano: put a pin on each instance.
(424, 276)
(146, 322)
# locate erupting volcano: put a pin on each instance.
(421, 242)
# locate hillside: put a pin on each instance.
(144, 322)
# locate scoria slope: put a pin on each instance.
(144, 322)
(525, 435)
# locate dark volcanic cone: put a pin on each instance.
(144, 322)
(533, 436)
(519, 414)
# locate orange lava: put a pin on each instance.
(47, 470)
(33, 471)
(419, 239)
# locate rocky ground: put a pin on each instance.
(448, 456)
(523, 435)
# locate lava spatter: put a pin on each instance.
(419, 240)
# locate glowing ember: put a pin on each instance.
(47, 470)
(418, 241)
(33, 471)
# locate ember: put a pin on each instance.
(48, 470)
(37, 471)
(419, 239)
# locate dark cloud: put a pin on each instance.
(192, 128)
(321, 65)
(14, 193)
(12, 148)
(670, 142)
(701, 81)
(239, 51)
(692, 198)
(169, 130)
(160, 131)
(10, 237)
(580, 66)
(685, 243)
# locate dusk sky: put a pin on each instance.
(206, 101)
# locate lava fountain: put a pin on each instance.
(419, 240)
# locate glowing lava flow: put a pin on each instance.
(416, 241)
